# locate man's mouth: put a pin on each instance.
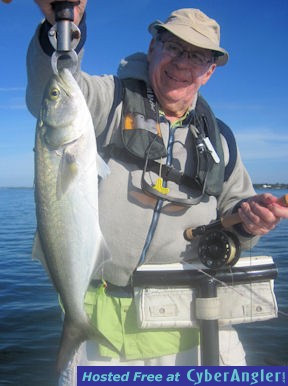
(174, 78)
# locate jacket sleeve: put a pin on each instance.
(237, 185)
(38, 66)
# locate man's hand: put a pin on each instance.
(261, 213)
(278, 209)
(46, 8)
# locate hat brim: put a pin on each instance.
(193, 37)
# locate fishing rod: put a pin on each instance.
(217, 246)
(224, 222)
(218, 250)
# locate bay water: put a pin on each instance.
(30, 318)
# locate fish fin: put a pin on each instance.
(38, 254)
(37, 251)
(102, 167)
(72, 337)
(103, 256)
(68, 171)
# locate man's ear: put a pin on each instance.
(208, 74)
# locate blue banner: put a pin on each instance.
(181, 375)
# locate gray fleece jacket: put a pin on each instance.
(126, 212)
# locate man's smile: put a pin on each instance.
(175, 78)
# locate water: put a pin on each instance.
(30, 319)
(267, 342)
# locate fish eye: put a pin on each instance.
(54, 93)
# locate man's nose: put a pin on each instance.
(183, 60)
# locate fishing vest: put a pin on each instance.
(140, 141)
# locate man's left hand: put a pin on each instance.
(261, 213)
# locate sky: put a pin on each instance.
(250, 93)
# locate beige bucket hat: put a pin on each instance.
(196, 28)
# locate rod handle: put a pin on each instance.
(224, 222)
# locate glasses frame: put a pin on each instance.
(195, 61)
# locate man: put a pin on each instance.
(142, 213)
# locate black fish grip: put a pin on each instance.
(64, 35)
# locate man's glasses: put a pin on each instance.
(175, 50)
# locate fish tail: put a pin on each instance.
(72, 337)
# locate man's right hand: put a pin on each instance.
(46, 8)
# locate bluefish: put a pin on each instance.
(69, 237)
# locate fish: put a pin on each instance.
(68, 240)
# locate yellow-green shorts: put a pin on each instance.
(115, 317)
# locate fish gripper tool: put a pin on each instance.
(64, 36)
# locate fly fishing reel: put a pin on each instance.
(218, 248)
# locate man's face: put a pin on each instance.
(177, 70)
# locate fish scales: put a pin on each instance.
(69, 238)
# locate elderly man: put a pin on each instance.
(173, 165)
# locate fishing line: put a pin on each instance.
(222, 283)
(282, 313)
(250, 258)
(236, 290)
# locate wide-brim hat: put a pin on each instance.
(196, 28)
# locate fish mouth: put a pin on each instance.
(65, 77)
